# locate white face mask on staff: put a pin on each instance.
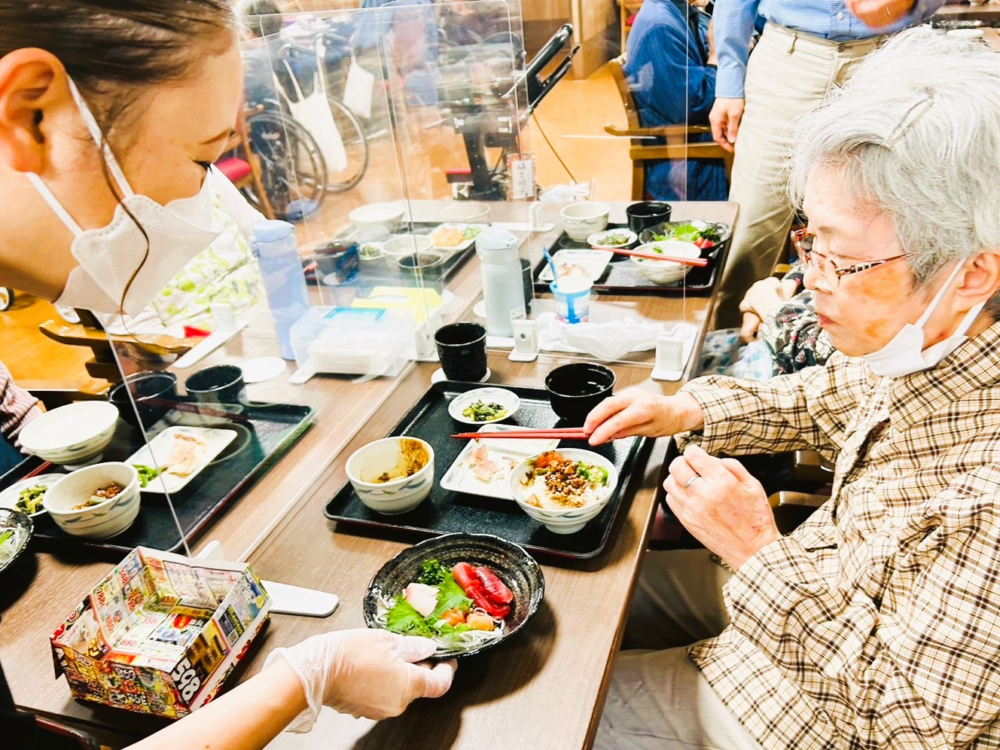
(905, 353)
(109, 256)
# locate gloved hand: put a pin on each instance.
(364, 672)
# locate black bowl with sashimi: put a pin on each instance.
(468, 592)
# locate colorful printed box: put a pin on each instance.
(160, 633)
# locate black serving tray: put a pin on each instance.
(621, 277)
(379, 272)
(265, 431)
(445, 511)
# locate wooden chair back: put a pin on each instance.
(676, 139)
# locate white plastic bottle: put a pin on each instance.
(503, 288)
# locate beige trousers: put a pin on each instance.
(789, 74)
(658, 699)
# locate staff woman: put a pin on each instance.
(110, 115)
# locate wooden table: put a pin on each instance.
(989, 13)
(545, 689)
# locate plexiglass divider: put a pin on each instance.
(378, 145)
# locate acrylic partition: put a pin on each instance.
(651, 68)
(374, 147)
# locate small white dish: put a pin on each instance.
(158, 450)
(665, 271)
(388, 215)
(100, 521)
(72, 435)
(461, 476)
(466, 211)
(405, 245)
(600, 239)
(8, 498)
(570, 520)
(386, 455)
(465, 243)
(438, 376)
(368, 251)
(580, 220)
(259, 369)
(970, 34)
(584, 264)
(507, 399)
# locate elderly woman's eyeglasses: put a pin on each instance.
(829, 270)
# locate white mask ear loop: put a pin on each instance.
(938, 296)
(98, 136)
(54, 204)
(970, 316)
(109, 159)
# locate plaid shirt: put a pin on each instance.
(876, 624)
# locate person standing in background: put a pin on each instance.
(807, 48)
(671, 69)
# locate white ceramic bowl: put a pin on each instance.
(580, 220)
(388, 215)
(398, 495)
(98, 521)
(397, 248)
(71, 435)
(465, 212)
(571, 520)
(663, 271)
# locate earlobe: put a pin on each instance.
(28, 92)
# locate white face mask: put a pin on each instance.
(109, 256)
(905, 353)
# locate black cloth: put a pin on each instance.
(20, 730)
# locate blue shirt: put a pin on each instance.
(667, 48)
(827, 20)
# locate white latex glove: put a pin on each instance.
(364, 672)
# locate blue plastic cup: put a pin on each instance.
(572, 299)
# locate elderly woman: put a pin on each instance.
(877, 623)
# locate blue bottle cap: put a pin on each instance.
(271, 230)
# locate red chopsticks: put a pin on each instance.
(562, 433)
(696, 262)
(45, 466)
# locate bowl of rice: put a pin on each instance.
(564, 489)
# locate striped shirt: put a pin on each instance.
(17, 407)
(876, 624)
(734, 25)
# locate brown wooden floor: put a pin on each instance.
(573, 108)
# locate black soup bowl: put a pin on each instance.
(646, 214)
(155, 394)
(577, 388)
(515, 567)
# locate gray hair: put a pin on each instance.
(916, 134)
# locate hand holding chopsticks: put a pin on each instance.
(562, 433)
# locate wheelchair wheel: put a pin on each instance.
(6, 298)
(292, 166)
(355, 144)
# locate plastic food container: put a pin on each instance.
(353, 341)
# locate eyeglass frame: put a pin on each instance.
(800, 238)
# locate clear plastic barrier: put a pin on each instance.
(376, 145)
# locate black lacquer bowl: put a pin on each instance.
(510, 562)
